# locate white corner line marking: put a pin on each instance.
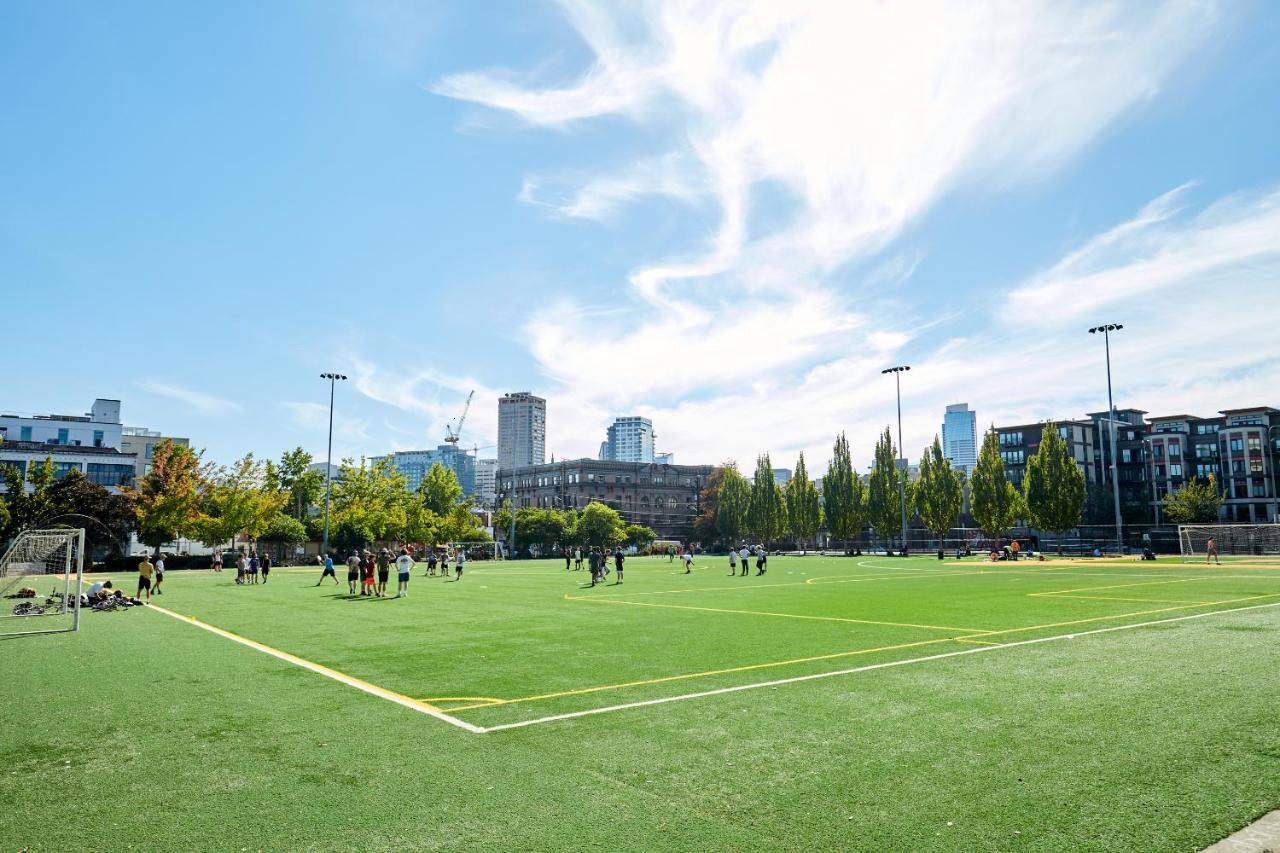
(867, 668)
(320, 669)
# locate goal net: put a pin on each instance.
(40, 582)
(476, 550)
(1237, 542)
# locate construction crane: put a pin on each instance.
(452, 435)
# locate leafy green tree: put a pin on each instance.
(883, 499)
(284, 529)
(240, 500)
(734, 505)
(767, 516)
(600, 525)
(304, 484)
(804, 507)
(75, 499)
(1055, 487)
(371, 502)
(440, 489)
(5, 520)
(843, 495)
(939, 493)
(637, 535)
(993, 500)
(169, 500)
(704, 526)
(1198, 502)
(27, 509)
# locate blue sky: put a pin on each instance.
(726, 217)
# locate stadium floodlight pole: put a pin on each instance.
(902, 462)
(328, 464)
(1106, 330)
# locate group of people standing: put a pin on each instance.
(598, 562)
(743, 556)
(368, 573)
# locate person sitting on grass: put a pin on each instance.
(98, 591)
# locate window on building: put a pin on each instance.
(64, 436)
(1011, 438)
(24, 433)
(1237, 445)
(1157, 451)
(1126, 455)
(1159, 470)
(1258, 490)
(1207, 429)
(1012, 457)
(1175, 449)
(1206, 451)
(1063, 432)
(1206, 470)
(1255, 444)
(98, 436)
(1237, 466)
(108, 474)
(62, 469)
(1255, 466)
(1175, 469)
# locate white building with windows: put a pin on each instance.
(142, 442)
(99, 427)
(630, 439)
(487, 481)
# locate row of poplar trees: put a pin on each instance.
(1052, 497)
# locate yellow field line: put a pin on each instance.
(1115, 598)
(703, 674)
(1125, 585)
(978, 638)
(321, 669)
(780, 615)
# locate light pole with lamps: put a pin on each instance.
(328, 465)
(902, 462)
(1106, 330)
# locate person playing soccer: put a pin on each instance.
(384, 572)
(404, 568)
(431, 564)
(688, 560)
(577, 559)
(744, 556)
(145, 571)
(216, 565)
(733, 562)
(1211, 551)
(328, 571)
(253, 567)
(618, 559)
(159, 572)
(266, 566)
(459, 562)
(762, 561)
(567, 559)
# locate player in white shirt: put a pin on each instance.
(744, 556)
(459, 562)
(688, 560)
(159, 573)
(404, 567)
(733, 562)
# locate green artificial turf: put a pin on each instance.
(144, 730)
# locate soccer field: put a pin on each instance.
(836, 703)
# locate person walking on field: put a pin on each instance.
(593, 560)
(404, 568)
(253, 567)
(1211, 551)
(216, 565)
(733, 562)
(745, 557)
(145, 571)
(618, 559)
(688, 560)
(266, 566)
(431, 564)
(159, 572)
(458, 563)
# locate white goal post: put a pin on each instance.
(1256, 541)
(40, 578)
(472, 548)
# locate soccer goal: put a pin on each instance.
(476, 550)
(40, 582)
(1258, 542)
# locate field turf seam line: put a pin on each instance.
(321, 669)
(779, 615)
(868, 668)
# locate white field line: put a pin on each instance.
(868, 668)
(372, 689)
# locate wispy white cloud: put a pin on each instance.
(312, 417)
(199, 401)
